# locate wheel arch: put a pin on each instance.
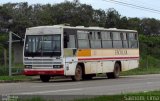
(120, 64)
(82, 66)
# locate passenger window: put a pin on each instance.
(106, 39)
(124, 39)
(97, 40)
(66, 39)
(83, 41)
(117, 41)
(106, 36)
(69, 39)
(132, 38)
(72, 41)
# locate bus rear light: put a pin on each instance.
(28, 66)
(57, 66)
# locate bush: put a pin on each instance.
(3, 71)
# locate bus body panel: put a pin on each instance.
(70, 65)
(108, 66)
(103, 60)
(94, 60)
(44, 65)
(54, 72)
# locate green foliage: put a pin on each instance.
(18, 16)
(14, 78)
(3, 70)
(16, 70)
(150, 45)
(112, 19)
(148, 65)
(34, 99)
(3, 37)
(120, 97)
(123, 97)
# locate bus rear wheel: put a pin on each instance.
(78, 74)
(115, 73)
(45, 78)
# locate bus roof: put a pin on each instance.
(80, 28)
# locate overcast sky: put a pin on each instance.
(102, 4)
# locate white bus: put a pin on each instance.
(79, 52)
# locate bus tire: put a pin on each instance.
(115, 73)
(45, 78)
(78, 74)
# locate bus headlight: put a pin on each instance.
(57, 66)
(28, 66)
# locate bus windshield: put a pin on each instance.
(42, 45)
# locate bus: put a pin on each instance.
(79, 52)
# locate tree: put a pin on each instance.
(21, 15)
(150, 26)
(5, 15)
(74, 13)
(112, 18)
(98, 18)
(123, 23)
(135, 24)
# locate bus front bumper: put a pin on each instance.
(31, 72)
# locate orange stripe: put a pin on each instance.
(84, 52)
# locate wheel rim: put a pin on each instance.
(117, 70)
(78, 74)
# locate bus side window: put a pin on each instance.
(106, 39)
(69, 39)
(91, 35)
(132, 38)
(71, 42)
(83, 41)
(117, 41)
(99, 35)
(124, 39)
(135, 36)
(66, 39)
(97, 42)
(95, 39)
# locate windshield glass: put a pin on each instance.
(46, 45)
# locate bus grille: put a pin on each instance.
(42, 61)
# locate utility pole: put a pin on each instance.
(10, 53)
(5, 57)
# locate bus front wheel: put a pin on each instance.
(115, 73)
(78, 74)
(45, 78)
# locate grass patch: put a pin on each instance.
(141, 96)
(34, 99)
(141, 71)
(16, 70)
(14, 78)
(148, 65)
